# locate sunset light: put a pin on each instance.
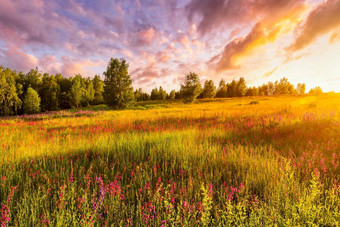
(170, 113)
(163, 40)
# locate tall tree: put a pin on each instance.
(10, 103)
(49, 92)
(118, 91)
(98, 86)
(209, 89)
(65, 85)
(283, 87)
(154, 94)
(270, 88)
(88, 95)
(263, 89)
(315, 91)
(232, 88)
(222, 89)
(301, 88)
(77, 91)
(31, 101)
(241, 87)
(191, 87)
(32, 79)
(162, 93)
(172, 95)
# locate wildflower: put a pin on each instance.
(101, 196)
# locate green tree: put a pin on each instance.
(10, 103)
(209, 89)
(49, 92)
(222, 89)
(118, 91)
(65, 85)
(77, 91)
(241, 87)
(98, 86)
(172, 95)
(32, 79)
(88, 95)
(232, 89)
(154, 94)
(191, 87)
(31, 101)
(162, 93)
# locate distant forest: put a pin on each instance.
(34, 91)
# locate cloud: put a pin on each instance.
(214, 14)
(162, 56)
(145, 75)
(70, 67)
(15, 58)
(335, 37)
(321, 20)
(264, 32)
(144, 37)
(271, 72)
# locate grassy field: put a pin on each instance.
(241, 161)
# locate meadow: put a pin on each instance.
(260, 161)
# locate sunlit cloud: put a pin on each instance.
(161, 40)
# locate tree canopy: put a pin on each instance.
(31, 101)
(118, 91)
(58, 92)
(191, 87)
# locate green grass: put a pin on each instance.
(221, 163)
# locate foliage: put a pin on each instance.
(191, 87)
(315, 91)
(252, 91)
(98, 86)
(283, 87)
(222, 89)
(77, 91)
(241, 87)
(301, 88)
(118, 92)
(162, 93)
(172, 95)
(58, 92)
(209, 89)
(9, 100)
(31, 101)
(49, 92)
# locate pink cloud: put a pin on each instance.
(15, 58)
(144, 37)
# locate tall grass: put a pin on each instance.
(222, 163)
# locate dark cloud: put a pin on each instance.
(321, 20)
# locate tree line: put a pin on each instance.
(35, 91)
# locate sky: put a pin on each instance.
(163, 40)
